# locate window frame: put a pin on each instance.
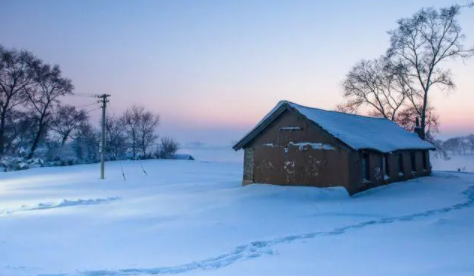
(401, 167)
(365, 167)
(413, 161)
(385, 166)
(425, 160)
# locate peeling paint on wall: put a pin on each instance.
(315, 166)
(377, 174)
(269, 145)
(289, 167)
(269, 165)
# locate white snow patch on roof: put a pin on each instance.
(361, 132)
(318, 146)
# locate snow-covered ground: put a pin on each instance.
(464, 163)
(215, 154)
(226, 154)
(193, 217)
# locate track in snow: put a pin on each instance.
(258, 249)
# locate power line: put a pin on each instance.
(88, 95)
(123, 173)
(85, 94)
(88, 111)
(85, 105)
(143, 169)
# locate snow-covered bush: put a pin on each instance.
(14, 163)
(86, 144)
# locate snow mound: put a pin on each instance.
(298, 193)
(60, 204)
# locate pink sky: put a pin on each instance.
(212, 69)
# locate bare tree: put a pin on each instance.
(141, 129)
(65, 120)
(15, 76)
(116, 140)
(421, 43)
(147, 131)
(376, 84)
(49, 86)
(407, 117)
(131, 122)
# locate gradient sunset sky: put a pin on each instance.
(212, 69)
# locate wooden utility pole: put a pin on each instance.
(103, 101)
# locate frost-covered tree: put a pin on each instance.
(470, 141)
(459, 145)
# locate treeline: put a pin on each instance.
(133, 135)
(459, 145)
(35, 126)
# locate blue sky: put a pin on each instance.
(212, 69)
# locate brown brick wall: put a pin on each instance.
(271, 158)
(248, 165)
(277, 160)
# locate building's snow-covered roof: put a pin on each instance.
(357, 132)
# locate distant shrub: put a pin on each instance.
(167, 148)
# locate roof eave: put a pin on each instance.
(400, 149)
(260, 127)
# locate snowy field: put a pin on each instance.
(457, 162)
(194, 218)
(215, 154)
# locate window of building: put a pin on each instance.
(400, 164)
(386, 171)
(413, 161)
(365, 167)
(425, 160)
